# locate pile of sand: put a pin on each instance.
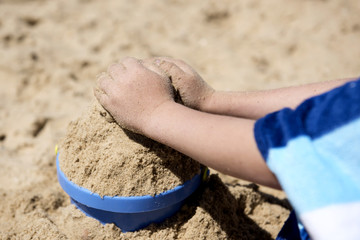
(99, 155)
(215, 211)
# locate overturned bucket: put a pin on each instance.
(129, 213)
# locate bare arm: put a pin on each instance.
(254, 105)
(223, 143)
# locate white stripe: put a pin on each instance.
(341, 221)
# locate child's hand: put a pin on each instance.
(131, 91)
(194, 91)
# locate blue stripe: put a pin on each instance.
(319, 173)
(314, 117)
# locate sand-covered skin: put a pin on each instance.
(99, 155)
(53, 49)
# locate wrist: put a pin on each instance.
(159, 118)
(206, 101)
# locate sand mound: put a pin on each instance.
(101, 156)
(215, 211)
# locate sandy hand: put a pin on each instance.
(131, 91)
(194, 91)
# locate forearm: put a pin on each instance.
(224, 143)
(254, 105)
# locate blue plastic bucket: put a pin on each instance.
(128, 213)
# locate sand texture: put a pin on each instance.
(99, 155)
(52, 50)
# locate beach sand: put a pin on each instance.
(51, 52)
(99, 155)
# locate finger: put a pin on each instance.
(181, 64)
(171, 69)
(104, 83)
(149, 64)
(100, 96)
(144, 64)
(101, 77)
(116, 70)
(130, 62)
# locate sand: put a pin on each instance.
(99, 155)
(52, 50)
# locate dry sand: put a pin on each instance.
(99, 155)
(52, 50)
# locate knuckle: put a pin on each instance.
(169, 67)
(102, 77)
(100, 96)
(112, 67)
(130, 60)
(102, 84)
